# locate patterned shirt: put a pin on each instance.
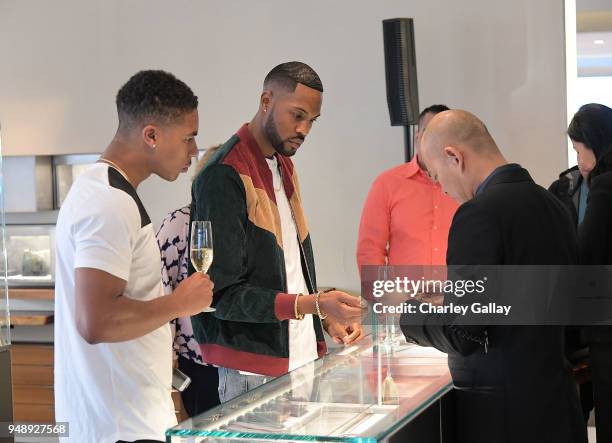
(173, 245)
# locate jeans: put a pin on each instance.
(232, 383)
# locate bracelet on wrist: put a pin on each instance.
(296, 311)
(318, 307)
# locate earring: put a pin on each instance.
(154, 145)
(265, 109)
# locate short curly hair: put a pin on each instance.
(153, 96)
(288, 75)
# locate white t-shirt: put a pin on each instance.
(302, 337)
(109, 391)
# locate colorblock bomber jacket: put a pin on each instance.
(249, 330)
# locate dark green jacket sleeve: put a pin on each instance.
(218, 195)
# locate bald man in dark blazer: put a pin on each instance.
(513, 383)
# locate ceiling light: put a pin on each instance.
(598, 42)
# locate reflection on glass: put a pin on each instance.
(5, 336)
(30, 254)
(336, 396)
(386, 327)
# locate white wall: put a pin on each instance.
(63, 61)
(595, 90)
(593, 5)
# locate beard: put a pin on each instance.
(271, 132)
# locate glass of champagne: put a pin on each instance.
(201, 248)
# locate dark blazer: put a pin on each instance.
(567, 189)
(595, 238)
(595, 244)
(521, 389)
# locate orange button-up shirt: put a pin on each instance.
(405, 219)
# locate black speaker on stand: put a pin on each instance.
(401, 78)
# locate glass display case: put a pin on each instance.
(5, 331)
(6, 387)
(363, 393)
(66, 169)
(30, 255)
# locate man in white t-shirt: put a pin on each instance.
(113, 345)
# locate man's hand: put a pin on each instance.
(343, 334)
(342, 307)
(433, 299)
(194, 294)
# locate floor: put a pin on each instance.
(592, 434)
(591, 431)
(591, 428)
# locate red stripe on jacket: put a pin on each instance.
(250, 362)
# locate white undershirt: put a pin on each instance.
(302, 337)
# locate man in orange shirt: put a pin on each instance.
(406, 216)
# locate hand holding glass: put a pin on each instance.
(201, 248)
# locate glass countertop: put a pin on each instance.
(5, 319)
(362, 393)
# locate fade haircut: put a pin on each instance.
(288, 75)
(433, 109)
(153, 97)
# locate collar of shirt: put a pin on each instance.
(509, 166)
(413, 170)
(284, 164)
(582, 200)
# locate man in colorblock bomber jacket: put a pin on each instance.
(269, 316)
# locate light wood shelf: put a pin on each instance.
(31, 294)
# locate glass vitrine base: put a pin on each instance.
(365, 393)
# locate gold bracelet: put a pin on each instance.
(298, 316)
(319, 313)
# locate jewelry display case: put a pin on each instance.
(30, 251)
(6, 399)
(367, 392)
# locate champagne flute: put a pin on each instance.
(201, 248)
(389, 275)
